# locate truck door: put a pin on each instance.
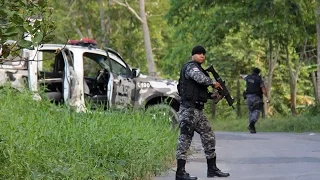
(66, 76)
(123, 85)
(122, 91)
(72, 90)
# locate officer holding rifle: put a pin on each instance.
(193, 89)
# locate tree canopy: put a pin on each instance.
(278, 36)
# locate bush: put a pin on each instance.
(312, 110)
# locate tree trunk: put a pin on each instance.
(107, 36)
(146, 37)
(272, 60)
(318, 49)
(104, 23)
(314, 84)
(293, 81)
(293, 97)
(238, 106)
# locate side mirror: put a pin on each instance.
(135, 72)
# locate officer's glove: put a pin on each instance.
(217, 85)
(215, 96)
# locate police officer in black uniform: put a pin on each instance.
(193, 89)
(254, 97)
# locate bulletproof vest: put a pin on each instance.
(189, 89)
(253, 85)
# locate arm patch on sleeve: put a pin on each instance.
(195, 69)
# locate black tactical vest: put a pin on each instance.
(253, 85)
(190, 90)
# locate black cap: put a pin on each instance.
(256, 70)
(198, 50)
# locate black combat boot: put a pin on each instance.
(252, 128)
(181, 173)
(213, 170)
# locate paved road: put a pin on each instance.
(261, 156)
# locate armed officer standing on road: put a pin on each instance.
(193, 89)
(254, 97)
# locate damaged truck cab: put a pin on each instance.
(77, 72)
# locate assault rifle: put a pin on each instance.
(224, 93)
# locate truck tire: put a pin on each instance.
(158, 110)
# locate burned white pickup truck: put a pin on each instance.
(77, 72)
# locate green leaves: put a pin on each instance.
(21, 16)
(17, 18)
(24, 43)
(311, 68)
(38, 37)
(10, 32)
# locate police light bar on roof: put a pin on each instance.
(83, 42)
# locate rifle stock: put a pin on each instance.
(222, 92)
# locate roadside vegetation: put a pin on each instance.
(39, 140)
(226, 119)
(282, 124)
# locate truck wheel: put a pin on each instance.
(166, 110)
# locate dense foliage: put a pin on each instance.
(277, 36)
(20, 18)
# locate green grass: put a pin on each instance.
(39, 140)
(281, 124)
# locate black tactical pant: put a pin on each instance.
(255, 105)
(193, 120)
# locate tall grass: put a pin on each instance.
(39, 140)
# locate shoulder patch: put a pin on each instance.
(195, 69)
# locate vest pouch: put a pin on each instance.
(196, 93)
(189, 93)
(203, 96)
